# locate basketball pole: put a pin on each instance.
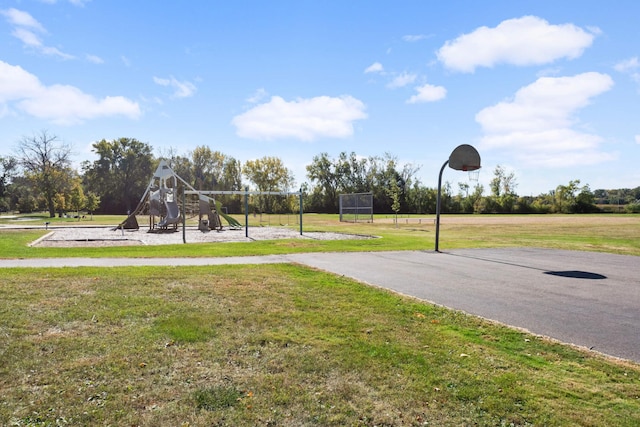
(438, 202)
(463, 158)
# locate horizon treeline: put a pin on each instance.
(39, 177)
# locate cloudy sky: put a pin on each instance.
(549, 90)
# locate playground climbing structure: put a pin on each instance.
(161, 202)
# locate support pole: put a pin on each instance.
(246, 211)
(301, 211)
(184, 217)
(438, 202)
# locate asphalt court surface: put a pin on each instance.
(583, 298)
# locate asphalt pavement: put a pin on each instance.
(588, 299)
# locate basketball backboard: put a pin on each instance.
(464, 158)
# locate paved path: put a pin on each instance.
(584, 298)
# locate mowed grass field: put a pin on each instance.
(605, 233)
(286, 345)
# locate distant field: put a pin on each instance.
(605, 233)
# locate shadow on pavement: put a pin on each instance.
(577, 274)
(574, 274)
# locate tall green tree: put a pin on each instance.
(421, 199)
(77, 199)
(231, 180)
(214, 170)
(574, 198)
(350, 173)
(60, 203)
(8, 169)
(121, 173)
(46, 163)
(383, 172)
(269, 174)
(394, 194)
(326, 182)
(182, 166)
(565, 195)
(208, 166)
(231, 175)
(353, 173)
(22, 197)
(503, 190)
(92, 203)
(585, 201)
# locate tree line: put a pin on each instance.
(39, 177)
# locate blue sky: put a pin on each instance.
(550, 90)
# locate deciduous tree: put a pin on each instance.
(46, 163)
(8, 169)
(121, 173)
(503, 186)
(269, 174)
(322, 172)
(77, 199)
(92, 203)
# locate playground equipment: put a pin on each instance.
(160, 200)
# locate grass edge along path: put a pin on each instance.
(279, 345)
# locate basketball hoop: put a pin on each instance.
(463, 158)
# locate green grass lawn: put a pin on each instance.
(286, 345)
(604, 233)
(279, 345)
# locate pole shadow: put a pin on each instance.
(576, 274)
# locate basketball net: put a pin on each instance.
(474, 174)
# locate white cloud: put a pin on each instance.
(537, 125)
(522, 41)
(60, 104)
(68, 105)
(631, 67)
(52, 51)
(413, 38)
(428, 93)
(19, 18)
(4, 110)
(74, 2)
(26, 28)
(183, 89)
(628, 65)
(376, 67)
(16, 83)
(27, 37)
(402, 80)
(302, 119)
(94, 59)
(258, 96)
(637, 139)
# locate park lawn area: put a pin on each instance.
(611, 233)
(279, 345)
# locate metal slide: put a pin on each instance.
(173, 214)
